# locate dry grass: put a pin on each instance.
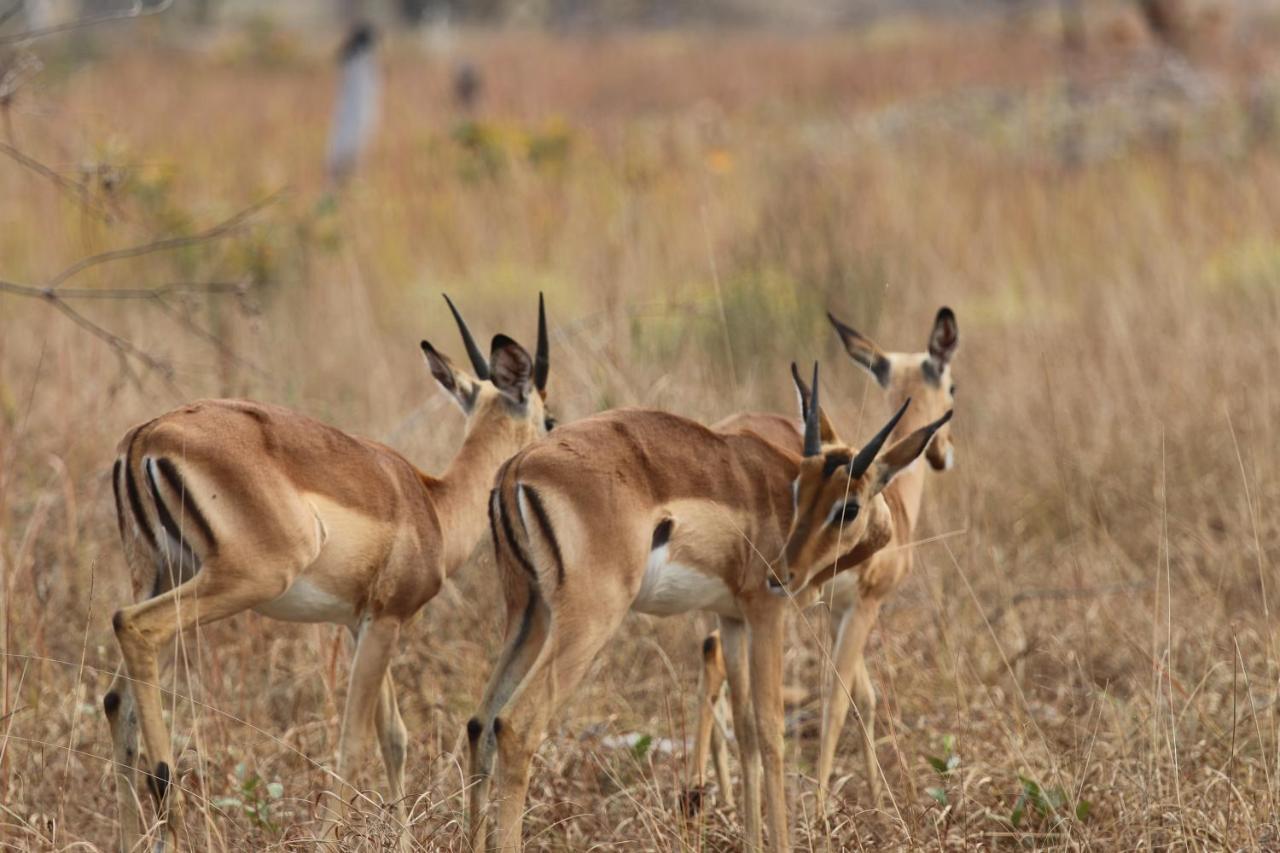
(1099, 615)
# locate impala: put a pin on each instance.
(856, 596)
(644, 511)
(228, 505)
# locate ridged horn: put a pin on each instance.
(871, 449)
(478, 362)
(542, 361)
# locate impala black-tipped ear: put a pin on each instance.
(903, 453)
(812, 427)
(458, 387)
(512, 368)
(542, 358)
(944, 340)
(871, 449)
(863, 350)
(478, 362)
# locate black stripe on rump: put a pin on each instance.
(189, 509)
(135, 499)
(505, 517)
(544, 523)
(117, 492)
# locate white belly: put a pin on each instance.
(669, 588)
(303, 601)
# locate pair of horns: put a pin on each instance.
(480, 364)
(813, 430)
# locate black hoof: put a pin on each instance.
(691, 801)
(159, 783)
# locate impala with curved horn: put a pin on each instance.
(229, 505)
(636, 510)
(855, 596)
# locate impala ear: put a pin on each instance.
(944, 340)
(510, 368)
(826, 432)
(458, 385)
(863, 350)
(896, 459)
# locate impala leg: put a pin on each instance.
(733, 641)
(393, 738)
(141, 631)
(766, 696)
(713, 677)
(122, 718)
(720, 752)
(526, 631)
(852, 682)
(566, 655)
(376, 643)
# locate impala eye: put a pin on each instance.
(953, 389)
(843, 513)
(549, 423)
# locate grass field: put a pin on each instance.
(1091, 630)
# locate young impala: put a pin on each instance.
(227, 505)
(645, 511)
(855, 596)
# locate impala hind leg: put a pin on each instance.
(122, 717)
(393, 738)
(142, 630)
(733, 640)
(568, 651)
(708, 741)
(852, 681)
(526, 631)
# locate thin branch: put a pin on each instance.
(137, 10)
(78, 192)
(220, 230)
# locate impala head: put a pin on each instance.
(923, 377)
(838, 507)
(508, 386)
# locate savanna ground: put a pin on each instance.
(1090, 630)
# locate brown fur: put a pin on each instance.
(253, 506)
(606, 485)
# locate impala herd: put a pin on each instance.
(228, 505)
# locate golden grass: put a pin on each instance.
(1098, 611)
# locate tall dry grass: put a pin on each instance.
(1096, 611)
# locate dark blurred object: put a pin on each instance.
(356, 112)
(1074, 31)
(467, 86)
(1169, 21)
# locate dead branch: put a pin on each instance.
(77, 192)
(137, 10)
(127, 351)
(222, 229)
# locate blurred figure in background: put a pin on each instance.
(355, 114)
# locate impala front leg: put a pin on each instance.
(851, 681)
(733, 638)
(374, 647)
(122, 717)
(766, 624)
(393, 737)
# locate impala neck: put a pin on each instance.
(909, 485)
(462, 492)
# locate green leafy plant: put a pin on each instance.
(254, 797)
(944, 765)
(1051, 804)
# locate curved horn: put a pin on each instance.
(812, 428)
(478, 362)
(542, 361)
(871, 449)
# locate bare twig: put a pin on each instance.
(137, 10)
(217, 231)
(78, 192)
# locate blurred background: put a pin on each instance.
(236, 198)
